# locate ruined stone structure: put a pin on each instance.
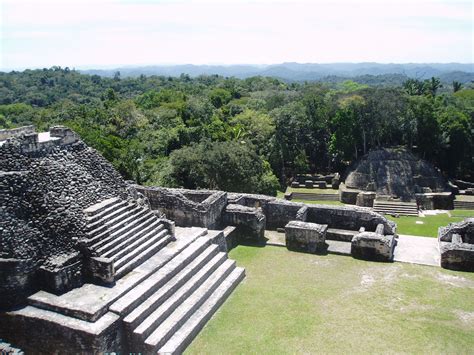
(90, 263)
(251, 214)
(398, 180)
(456, 245)
(87, 266)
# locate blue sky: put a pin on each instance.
(109, 33)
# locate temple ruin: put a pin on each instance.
(91, 263)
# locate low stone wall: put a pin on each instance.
(31, 333)
(16, 132)
(18, 279)
(200, 208)
(435, 201)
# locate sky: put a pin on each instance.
(112, 33)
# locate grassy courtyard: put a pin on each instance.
(430, 224)
(301, 303)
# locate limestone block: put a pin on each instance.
(250, 221)
(101, 270)
(348, 196)
(302, 214)
(321, 184)
(306, 237)
(373, 246)
(457, 256)
(365, 199)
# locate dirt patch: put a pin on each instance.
(465, 317)
(454, 280)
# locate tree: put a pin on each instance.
(229, 166)
(456, 86)
(432, 85)
(414, 87)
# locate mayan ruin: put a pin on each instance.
(114, 267)
(239, 177)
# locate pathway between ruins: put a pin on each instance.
(410, 248)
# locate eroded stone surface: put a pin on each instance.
(456, 244)
(306, 237)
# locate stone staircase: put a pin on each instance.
(464, 205)
(160, 306)
(8, 349)
(124, 233)
(396, 207)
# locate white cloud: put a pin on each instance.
(113, 32)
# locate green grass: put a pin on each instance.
(429, 228)
(319, 202)
(294, 303)
(462, 213)
(312, 191)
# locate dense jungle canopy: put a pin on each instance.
(243, 134)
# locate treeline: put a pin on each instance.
(242, 135)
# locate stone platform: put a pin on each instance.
(159, 306)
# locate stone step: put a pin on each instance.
(414, 208)
(464, 205)
(120, 234)
(110, 213)
(108, 226)
(394, 209)
(130, 300)
(141, 253)
(413, 214)
(101, 206)
(89, 302)
(153, 318)
(185, 335)
(124, 219)
(165, 330)
(134, 244)
(107, 211)
(151, 302)
(400, 208)
(122, 242)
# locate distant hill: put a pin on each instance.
(371, 72)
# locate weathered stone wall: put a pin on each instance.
(15, 132)
(456, 245)
(64, 335)
(200, 208)
(279, 212)
(249, 222)
(464, 228)
(305, 237)
(44, 187)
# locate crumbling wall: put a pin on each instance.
(200, 208)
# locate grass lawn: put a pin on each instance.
(301, 303)
(312, 191)
(429, 228)
(319, 202)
